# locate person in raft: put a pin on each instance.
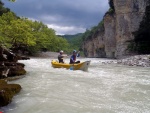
(61, 56)
(73, 57)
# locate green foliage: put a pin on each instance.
(94, 31)
(12, 0)
(15, 30)
(75, 42)
(111, 10)
(34, 36)
(3, 9)
(111, 4)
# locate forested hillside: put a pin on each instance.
(75, 41)
(27, 36)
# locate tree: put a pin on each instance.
(3, 9)
(12, 0)
(33, 35)
(15, 30)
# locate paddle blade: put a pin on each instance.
(71, 68)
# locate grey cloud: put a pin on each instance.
(78, 13)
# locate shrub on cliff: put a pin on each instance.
(93, 31)
(111, 4)
(111, 10)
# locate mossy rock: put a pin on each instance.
(21, 72)
(7, 91)
(14, 88)
(5, 97)
(16, 71)
(3, 82)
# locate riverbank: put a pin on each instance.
(137, 60)
(10, 69)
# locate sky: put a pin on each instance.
(64, 16)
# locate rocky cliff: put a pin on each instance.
(119, 25)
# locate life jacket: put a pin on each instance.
(72, 59)
(60, 58)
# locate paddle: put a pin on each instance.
(72, 67)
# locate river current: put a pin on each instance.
(105, 88)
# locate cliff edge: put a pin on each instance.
(123, 18)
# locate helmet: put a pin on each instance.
(74, 51)
(61, 51)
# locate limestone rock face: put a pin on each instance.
(119, 27)
(129, 14)
(94, 47)
(110, 40)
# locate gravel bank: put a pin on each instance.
(137, 60)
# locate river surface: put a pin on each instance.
(105, 88)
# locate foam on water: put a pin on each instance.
(105, 88)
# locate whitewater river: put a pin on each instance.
(105, 88)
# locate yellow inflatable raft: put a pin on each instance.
(80, 66)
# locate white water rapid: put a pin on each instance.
(105, 88)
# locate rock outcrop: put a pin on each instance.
(94, 46)
(119, 26)
(9, 67)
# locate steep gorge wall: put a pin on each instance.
(129, 14)
(110, 35)
(119, 27)
(94, 46)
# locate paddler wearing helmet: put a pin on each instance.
(60, 57)
(73, 57)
